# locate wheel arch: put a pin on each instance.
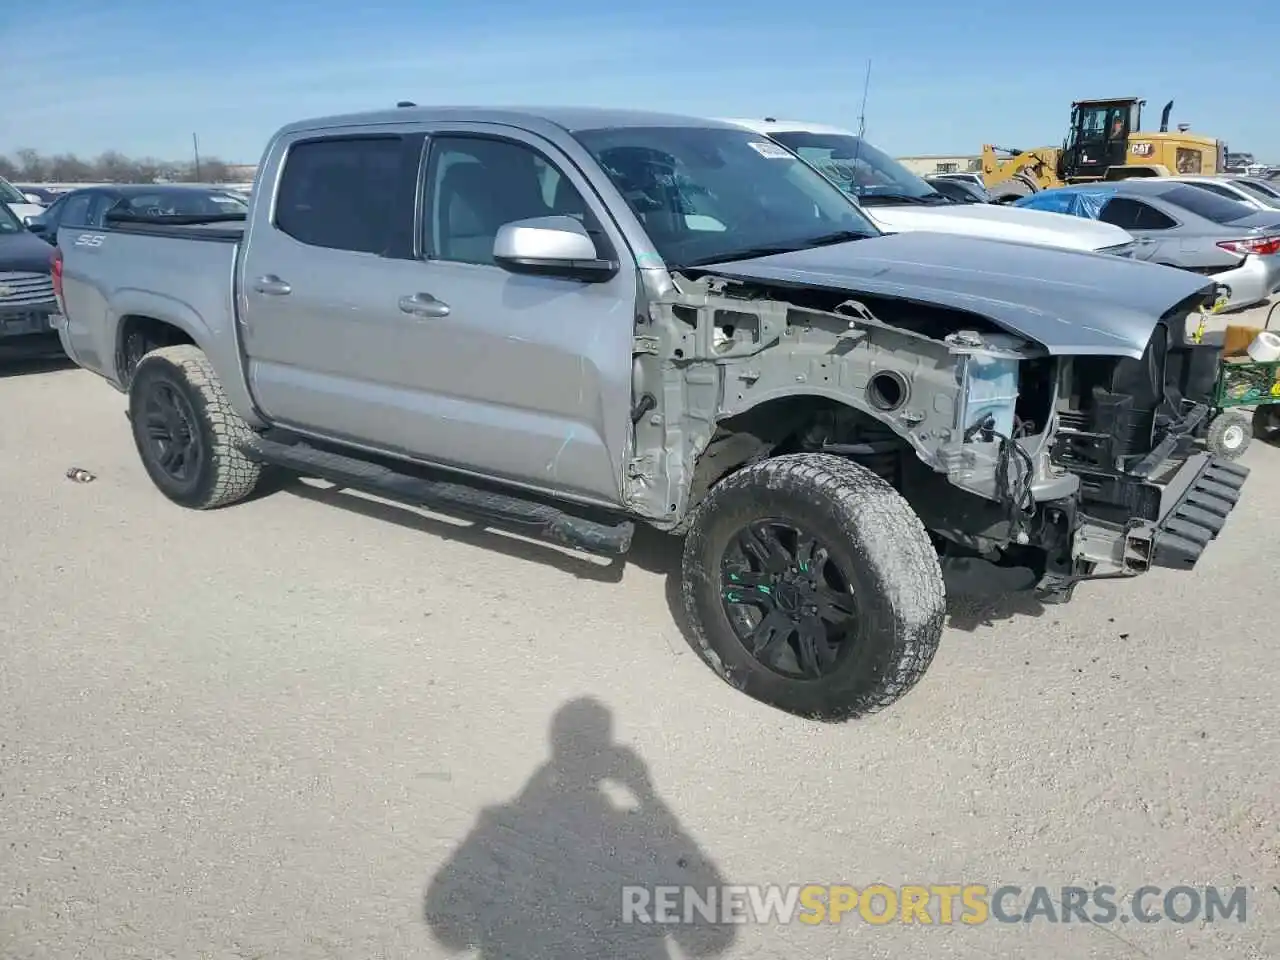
(773, 424)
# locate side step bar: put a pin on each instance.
(518, 515)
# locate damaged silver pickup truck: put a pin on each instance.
(570, 322)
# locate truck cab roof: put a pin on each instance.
(566, 118)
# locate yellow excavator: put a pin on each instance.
(1105, 142)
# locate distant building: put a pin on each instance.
(923, 166)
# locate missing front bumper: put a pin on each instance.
(1195, 518)
(1194, 506)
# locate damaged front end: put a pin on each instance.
(1031, 468)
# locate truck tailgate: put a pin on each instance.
(179, 275)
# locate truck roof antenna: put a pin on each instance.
(862, 121)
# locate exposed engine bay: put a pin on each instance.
(1030, 470)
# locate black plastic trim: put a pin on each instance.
(1197, 515)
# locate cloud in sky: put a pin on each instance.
(140, 76)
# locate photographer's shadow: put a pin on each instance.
(543, 876)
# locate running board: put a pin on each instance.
(515, 514)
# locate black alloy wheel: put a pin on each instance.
(789, 603)
(174, 442)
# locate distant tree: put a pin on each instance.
(28, 165)
(68, 168)
(114, 167)
(31, 166)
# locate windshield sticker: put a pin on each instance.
(767, 148)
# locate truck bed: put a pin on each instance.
(123, 271)
(219, 232)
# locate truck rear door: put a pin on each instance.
(376, 315)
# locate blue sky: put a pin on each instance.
(140, 76)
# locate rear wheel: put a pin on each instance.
(186, 433)
(811, 585)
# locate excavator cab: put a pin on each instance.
(1099, 137)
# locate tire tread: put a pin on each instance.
(889, 535)
(235, 475)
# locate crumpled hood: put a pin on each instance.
(1000, 222)
(1072, 303)
(24, 252)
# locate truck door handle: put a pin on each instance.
(272, 285)
(424, 305)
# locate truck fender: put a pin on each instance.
(218, 345)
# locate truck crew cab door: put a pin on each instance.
(373, 313)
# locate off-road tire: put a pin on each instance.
(225, 475)
(1229, 434)
(873, 534)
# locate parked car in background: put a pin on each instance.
(88, 206)
(962, 191)
(898, 201)
(1232, 188)
(41, 195)
(972, 178)
(17, 201)
(1264, 189)
(27, 301)
(1180, 225)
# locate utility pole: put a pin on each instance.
(195, 145)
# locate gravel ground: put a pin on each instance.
(318, 726)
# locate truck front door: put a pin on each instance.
(372, 311)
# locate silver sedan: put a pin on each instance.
(1239, 189)
(1182, 225)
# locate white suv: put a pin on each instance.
(899, 201)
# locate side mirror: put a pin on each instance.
(33, 198)
(551, 247)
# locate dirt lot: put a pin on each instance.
(314, 726)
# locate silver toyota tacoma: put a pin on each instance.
(568, 322)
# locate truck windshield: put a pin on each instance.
(705, 195)
(9, 222)
(859, 169)
(11, 194)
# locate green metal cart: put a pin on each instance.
(1244, 382)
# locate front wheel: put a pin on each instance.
(187, 434)
(811, 585)
(1229, 434)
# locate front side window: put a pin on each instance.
(340, 193)
(709, 194)
(1134, 215)
(11, 194)
(477, 184)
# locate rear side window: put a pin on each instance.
(1205, 204)
(340, 193)
(1134, 215)
(75, 211)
